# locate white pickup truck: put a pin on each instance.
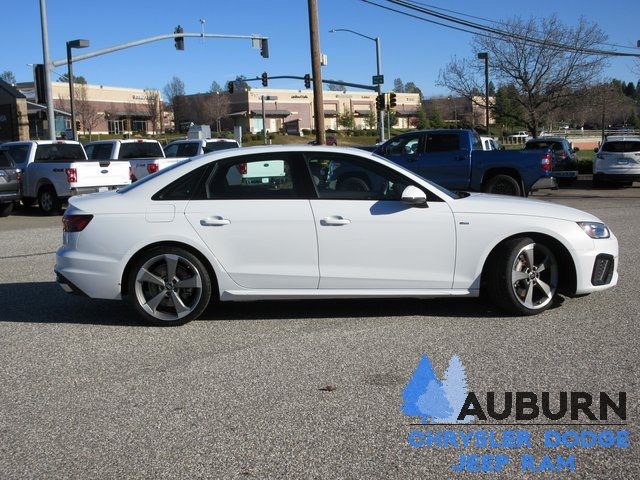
(53, 171)
(143, 156)
(193, 147)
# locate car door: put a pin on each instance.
(260, 229)
(368, 238)
(445, 159)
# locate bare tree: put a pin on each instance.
(153, 105)
(216, 106)
(8, 77)
(174, 94)
(85, 110)
(546, 77)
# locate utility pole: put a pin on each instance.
(316, 70)
(47, 70)
(485, 56)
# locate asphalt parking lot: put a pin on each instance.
(89, 392)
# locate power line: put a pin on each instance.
(498, 22)
(490, 31)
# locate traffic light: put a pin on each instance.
(179, 41)
(380, 102)
(265, 79)
(392, 100)
(231, 86)
(264, 48)
(307, 81)
(77, 125)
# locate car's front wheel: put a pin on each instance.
(169, 286)
(523, 276)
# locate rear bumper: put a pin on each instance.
(617, 177)
(572, 174)
(95, 276)
(9, 196)
(86, 190)
(545, 182)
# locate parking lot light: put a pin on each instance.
(73, 44)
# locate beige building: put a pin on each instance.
(105, 109)
(295, 108)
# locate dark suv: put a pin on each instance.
(565, 164)
(9, 183)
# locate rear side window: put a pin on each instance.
(99, 151)
(140, 150)
(5, 160)
(621, 147)
(56, 152)
(445, 142)
(18, 153)
(215, 146)
(184, 187)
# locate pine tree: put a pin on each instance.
(417, 385)
(455, 388)
(433, 403)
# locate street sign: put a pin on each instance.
(377, 80)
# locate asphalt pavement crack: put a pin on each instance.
(27, 255)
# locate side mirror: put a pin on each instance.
(414, 196)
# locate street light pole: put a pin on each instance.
(485, 56)
(47, 70)
(73, 44)
(378, 72)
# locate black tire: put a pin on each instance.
(48, 201)
(160, 307)
(353, 184)
(510, 294)
(6, 209)
(503, 184)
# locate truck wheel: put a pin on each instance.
(169, 286)
(523, 277)
(503, 185)
(5, 209)
(48, 201)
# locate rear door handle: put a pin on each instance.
(216, 221)
(335, 220)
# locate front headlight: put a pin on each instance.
(595, 229)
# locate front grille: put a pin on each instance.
(602, 270)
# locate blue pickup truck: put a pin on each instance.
(455, 160)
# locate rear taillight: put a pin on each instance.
(152, 167)
(75, 223)
(242, 168)
(72, 175)
(546, 162)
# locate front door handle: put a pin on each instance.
(335, 220)
(216, 221)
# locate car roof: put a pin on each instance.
(41, 142)
(622, 138)
(547, 139)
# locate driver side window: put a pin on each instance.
(343, 177)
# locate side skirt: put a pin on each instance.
(280, 294)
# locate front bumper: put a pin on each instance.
(592, 274)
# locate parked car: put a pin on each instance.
(489, 143)
(53, 171)
(565, 167)
(191, 148)
(454, 159)
(521, 136)
(617, 161)
(144, 156)
(195, 233)
(329, 140)
(9, 183)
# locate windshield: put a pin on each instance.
(140, 150)
(152, 176)
(215, 146)
(621, 146)
(55, 152)
(543, 146)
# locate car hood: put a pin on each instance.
(506, 205)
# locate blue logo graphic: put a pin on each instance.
(432, 400)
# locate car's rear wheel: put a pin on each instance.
(503, 184)
(48, 201)
(523, 278)
(169, 286)
(5, 209)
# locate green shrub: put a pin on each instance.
(306, 131)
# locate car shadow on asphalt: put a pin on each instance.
(45, 302)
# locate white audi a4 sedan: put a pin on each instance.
(321, 222)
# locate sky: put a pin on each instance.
(411, 49)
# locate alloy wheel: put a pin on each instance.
(534, 276)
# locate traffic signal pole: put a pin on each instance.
(378, 68)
